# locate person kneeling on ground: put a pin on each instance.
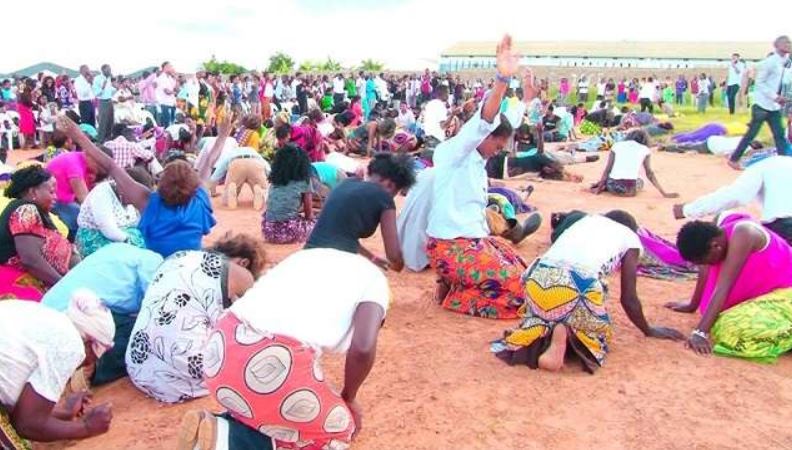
(289, 216)
(355, 208)
(263, 359)
(40, 349)
(477, 274)
(119, 274)
(744, 289)
(185, 299)
(565, 294)
(621, 175)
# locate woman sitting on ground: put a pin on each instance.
(289, 215)
(263, 360)
(186, 297)
(33, 254)
(179, 213)
(744, 290)
(355, 208)
(40, 349)
(565, 294)
(106, 217)
(622, 172)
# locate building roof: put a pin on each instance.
(43, 67)
(620, 49)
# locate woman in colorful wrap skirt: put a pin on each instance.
(744, 290)
(566, 292)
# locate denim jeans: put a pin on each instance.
(731, 96)
(680, 98)
(759, 116)
(68, 212)
(167, 115)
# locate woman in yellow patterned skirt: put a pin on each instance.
(565, 292)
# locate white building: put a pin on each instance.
(645, 55)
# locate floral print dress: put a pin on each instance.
(184, 301)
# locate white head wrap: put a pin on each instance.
(92, 319)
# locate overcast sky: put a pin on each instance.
(407, 34)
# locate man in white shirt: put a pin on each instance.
(769, 101)
(703, 93)
(767, 181)
(103, 89)
(647, 94)
(85, 96)
(734, 81)
(583, 88)
(460, 249)
(165, 94)
(339, 93)
(382, 88)
(435, 117)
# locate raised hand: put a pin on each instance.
(507, 60)
(530, 87)
(66, 125)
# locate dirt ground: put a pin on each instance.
(436, 386)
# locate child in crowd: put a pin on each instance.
(289, 215)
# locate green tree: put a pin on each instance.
(370, 65)
(309, 66)
(280, 63)
(331, 66)
(224, 67)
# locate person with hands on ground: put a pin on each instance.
(565, 292)
(263, 360)
(355, 208)
(744, 289)
(621, 175)
(40, 349)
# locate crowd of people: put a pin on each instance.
(104, 272)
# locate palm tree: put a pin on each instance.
(370, 65)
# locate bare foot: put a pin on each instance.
(552, 359)
(441, 291)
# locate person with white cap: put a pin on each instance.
(40, 349)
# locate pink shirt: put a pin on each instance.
(146, 88)
(63, 168)
(764, 271)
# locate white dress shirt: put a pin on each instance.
(165, 82)
(767, 181)
(435, 112)
(736, 71)
(768, 81)
(84, 89)
(338, 86)
(103, 87)
(459, 194)
(648, 90)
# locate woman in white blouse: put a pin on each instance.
(40, 349)
(105, 217)
(622, 173)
